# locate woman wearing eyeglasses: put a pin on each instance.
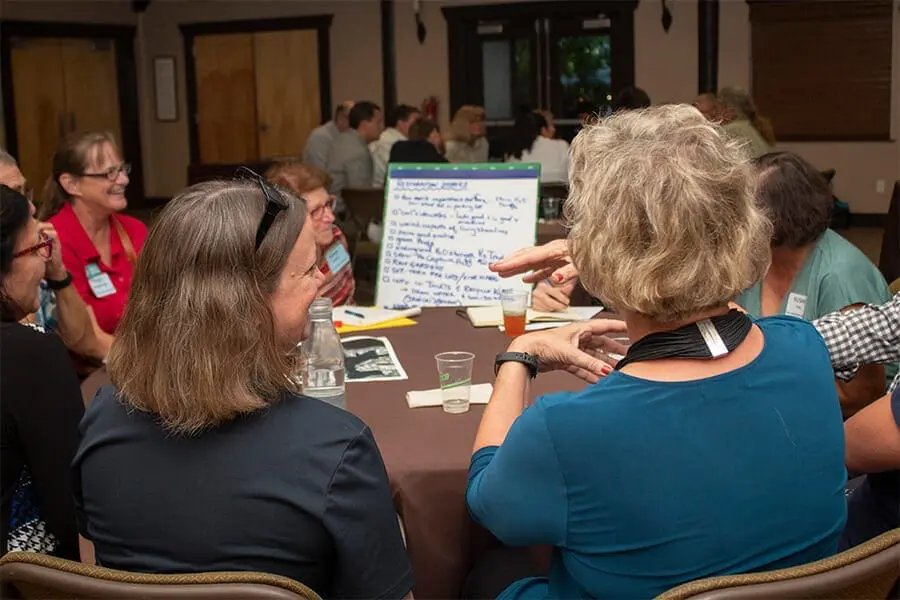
(40, 399)
(312, 183)
(205, 456)
(82, 199)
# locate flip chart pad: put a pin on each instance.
(443, 226)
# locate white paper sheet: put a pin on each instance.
(479, 393)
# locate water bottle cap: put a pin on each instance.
(321, 307)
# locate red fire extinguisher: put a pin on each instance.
(430, 107)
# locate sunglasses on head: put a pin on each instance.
(275, 202)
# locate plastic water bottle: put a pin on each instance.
(323, 357)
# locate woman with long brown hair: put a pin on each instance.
(204, 456)
(82, 199)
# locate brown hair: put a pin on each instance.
(75, 154)
(197, 345)
(298, 177)
(459, 127)
(797, 197)
(422, 128)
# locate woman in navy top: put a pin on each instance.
(672, 469)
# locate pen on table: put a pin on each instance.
(354, 314)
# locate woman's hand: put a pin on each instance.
(550, 298)
(54, 269)
(573, 348)
(550, 260)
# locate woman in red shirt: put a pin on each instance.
(81, 199)
(311, 183)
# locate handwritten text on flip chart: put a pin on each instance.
(441, 234)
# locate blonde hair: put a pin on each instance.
(75, 154)
(459, 127)
(295, 175)
(663, 215)
(197, 345)
(741, 104)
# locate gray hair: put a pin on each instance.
(663, 213)
(7, 159)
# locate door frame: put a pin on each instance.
(189, 31)
(126, 82)
(462, 22)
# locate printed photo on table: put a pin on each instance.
(371, 359)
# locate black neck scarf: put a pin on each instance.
(708, 338)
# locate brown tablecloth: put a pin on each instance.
(427, 451)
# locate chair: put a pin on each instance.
(889, 262)
(364, 205)
(869, 571)
(40, 576)
(554, 189)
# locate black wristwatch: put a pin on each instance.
(520, 357)
(61, 284)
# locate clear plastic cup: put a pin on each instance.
(455, 376)
(515, 309)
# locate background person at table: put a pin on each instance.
(321, 139)
(814, 270)
(631, 98)
(350, 162)
(40, 400)
(466, 143)
(61, 309)
(424, 145)
(742, 121)
(311, 184)
(397, 130)
(100, 247)
(238, 472)
(663, 506)
(532, 140)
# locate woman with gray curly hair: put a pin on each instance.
(716, 446)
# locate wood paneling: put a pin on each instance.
(287, 90)
(92, 99)
(226, 98)
(40, 105)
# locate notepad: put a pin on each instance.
(364, 316)
(478, 394)
(492, 316)
(401, 322)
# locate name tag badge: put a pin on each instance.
(337, 257)
(100, 283)
(796, 305)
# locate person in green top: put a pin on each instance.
(814, 271)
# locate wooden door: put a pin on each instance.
(40, 105)
(287, 90)
(92, 96)
(226, 98)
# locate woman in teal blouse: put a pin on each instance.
(671, 469)
(814, 270)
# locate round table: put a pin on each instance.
(425, 450)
